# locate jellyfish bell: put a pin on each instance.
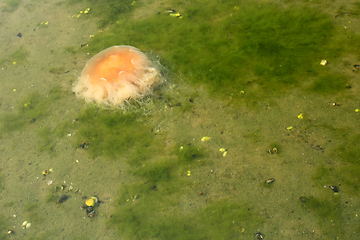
(115, 75)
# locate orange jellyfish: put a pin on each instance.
(116, 75)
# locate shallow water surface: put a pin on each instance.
(233, 73)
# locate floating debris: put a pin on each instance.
(334, 188)
(45, 172)
(204, 139)
(62, 199)
(323, 62)
(273, 150)
(91, 201)
(270, 180)
(90, 205)
(259, 235)
(90, 212)
(173, 13)
(26, 225)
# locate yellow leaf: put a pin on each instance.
(205, 139)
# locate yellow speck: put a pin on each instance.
(242, 92)
(323, 62)
(225, 153)
(51, 170)
(222, 149)
(357, 110)
(41, 23)
(181, 147)
(133, 3)
(236, 7)
(46, 23)
(92, 36)
(14, 90)
(205, 139)
(289, 128)
(78, 15)
(128, 200)
(300, 116)
(14, 63)
(90, 202)
(86, 11)
(81, 11)
(188, 173)
(177, 15)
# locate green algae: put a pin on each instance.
(343, 175)
(30, 109)
(16, 58)
(111, 133)
(329, 214)
(11, 6)
(264, 51)
(160, 204)
(156, 214)
(157, 207)
(47, 140)
(330, 84)
(107, 12)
